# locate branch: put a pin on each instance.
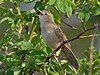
(89, 36)
(77, 37)
(83, 25)
(91, 52)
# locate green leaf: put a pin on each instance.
(16, 72)
(87, 16)
(26, 1)
(9, 72)
(51, 2)
(7, 18)
(53, 73)
(1, 1)
(48, 50)
(23, 64)
(25, 45)
(97, 11)
(63, 61)
(60, 5)
(69, 11)
(1, 57)
(37, 52)
(65, 7)
(95, 70)
(38, 62)
(84, 16)
(70, 2)
(81, 15)
(39, 5)
(5, 39)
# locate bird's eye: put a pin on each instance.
(46, 14)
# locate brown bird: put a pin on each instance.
(53, 36)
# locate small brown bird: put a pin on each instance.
(53, 36)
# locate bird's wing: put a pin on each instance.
(66, 52)
(61, 36)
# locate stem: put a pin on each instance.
(83, 26)
(89, 36)
(32, 33)
(91, 52)
(91, 56)
(20, 28)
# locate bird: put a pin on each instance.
(54, 37)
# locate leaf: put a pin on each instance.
(7, 18)
(16, 72)
(1, 1)
(65, 7)
(80, 15)
(84, 16)
(97, 11)
(63, 61)
(23, 64)
(53, 73)
(9, 72)
(25, 45)
(51, 2)
(87, 16)
(39, 5)
(1, 57)
(70, 2)
(38, 62)
(37, 52)
(5, 39)
(60, 5)
(26, 1)
(48, 50)
(69, 11)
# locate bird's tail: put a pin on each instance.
(68, 55)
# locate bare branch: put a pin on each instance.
(84, 28)
(89, 36)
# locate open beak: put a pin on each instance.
(40, 12)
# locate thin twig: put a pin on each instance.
(32, 33)
(89, 36)
(91, 52)
(77, 37)
(20, 27)
(84, 28)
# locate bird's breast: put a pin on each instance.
(50, 38)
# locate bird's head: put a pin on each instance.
(45, 16)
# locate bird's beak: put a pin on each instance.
(40, 12)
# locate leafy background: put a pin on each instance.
(22, 49)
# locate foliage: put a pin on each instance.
(24, 50)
